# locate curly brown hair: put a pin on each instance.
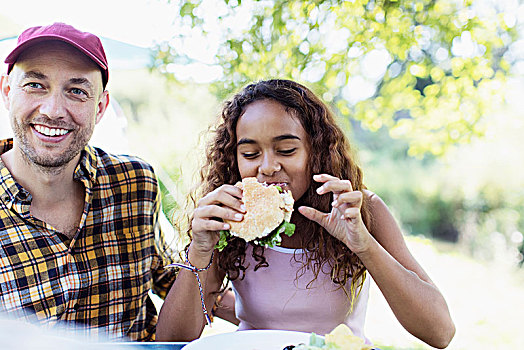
(331, 156)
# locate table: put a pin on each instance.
(142, 345)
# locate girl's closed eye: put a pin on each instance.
(287, 151)
(249, 155)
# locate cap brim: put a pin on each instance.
(13, 56)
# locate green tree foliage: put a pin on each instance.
(428, 70)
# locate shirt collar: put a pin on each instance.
(87, 166)
(6, 145)
(10, 189)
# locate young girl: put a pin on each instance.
(279, 132)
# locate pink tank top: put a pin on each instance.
(272, 298)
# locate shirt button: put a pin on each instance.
(22, 195)
(76, 307)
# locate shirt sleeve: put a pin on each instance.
(163, 277)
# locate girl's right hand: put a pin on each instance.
(222, 203)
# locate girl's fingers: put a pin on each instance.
(200, 225)
(324, 177)
(215, 211)
(227, 196)
(353, 199)
(336, 186)
(351, 213)
(221, 204)
(314, 215)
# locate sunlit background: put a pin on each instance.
(431, 94)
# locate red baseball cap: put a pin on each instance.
(87, 43)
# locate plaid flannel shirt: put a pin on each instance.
(97, 282)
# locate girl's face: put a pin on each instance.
(273, 147)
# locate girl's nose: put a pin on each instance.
(269, 166)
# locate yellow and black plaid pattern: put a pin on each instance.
(98, 281)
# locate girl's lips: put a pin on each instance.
(283, 185)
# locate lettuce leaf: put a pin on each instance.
(222, 242)
(315, 340)
(271, 240)
(274, 239)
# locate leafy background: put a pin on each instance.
(430, 93)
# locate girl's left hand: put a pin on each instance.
(344, 222)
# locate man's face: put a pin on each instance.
(55, 97)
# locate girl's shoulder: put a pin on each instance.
(376, 205)
(371, 196)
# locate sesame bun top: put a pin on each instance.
(266, 208)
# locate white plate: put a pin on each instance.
(249, 340)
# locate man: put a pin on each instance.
(79, 235)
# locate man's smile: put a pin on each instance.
(50, 132)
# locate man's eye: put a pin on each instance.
(34, 85)
(80, 92)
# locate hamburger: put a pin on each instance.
(268, 212)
